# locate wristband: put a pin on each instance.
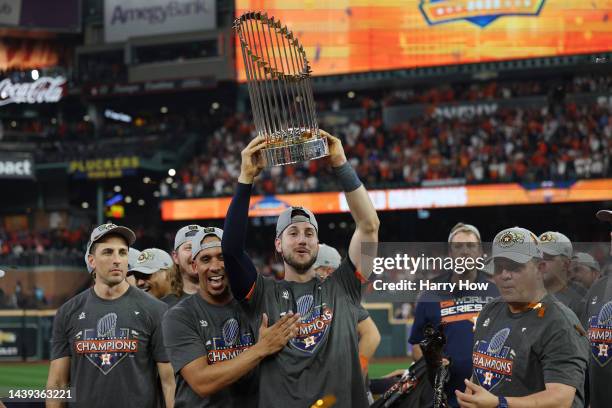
(363, 361)
(346, 176)
(502, 402)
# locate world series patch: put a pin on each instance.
(231, 344)
(600, 334)
(314, 324)
(492, 361)
(106, 345)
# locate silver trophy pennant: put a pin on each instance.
(280, 88)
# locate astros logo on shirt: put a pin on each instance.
(492, 361)
(600, 335)
(106, 345)
(314, 324)
(231, 344)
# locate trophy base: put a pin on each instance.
(281, 155)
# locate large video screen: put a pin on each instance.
(344, 36)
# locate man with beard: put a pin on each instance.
(558, 251)
(185, 282)
(323, 359)
(597, 318)
(107, 341)
(529, 349)
(210, 341)
(585, 270)
(152, 272)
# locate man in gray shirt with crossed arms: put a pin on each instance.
(529, 349)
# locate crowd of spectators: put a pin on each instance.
(60, 246)
(510, 145)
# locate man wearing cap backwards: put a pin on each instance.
(210, 341)
(324, 358)
(558, 251)
(584, 270)
(456, 310)
(152, 272)
(185, 281)
(107, 341)
(529, 349)
(597, 318)
(328, 260)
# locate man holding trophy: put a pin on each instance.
(322, 361)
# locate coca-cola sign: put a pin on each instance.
(43, 90)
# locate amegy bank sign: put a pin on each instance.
(43, 90)
(124, 19)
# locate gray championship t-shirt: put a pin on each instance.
(598, 322)
(113, 346)
(516, 354)
(171, 300)
(323, 359)
(195, 328)
(572, 297)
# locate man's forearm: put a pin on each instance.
(216, 377)
(543, 399)
(369, 338)
(166, 375)
(240, 269)
(362, 210)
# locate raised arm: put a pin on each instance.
(238, 265)
(360, 205)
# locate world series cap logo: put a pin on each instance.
(510, 238)
(478, 12)
(600, 335)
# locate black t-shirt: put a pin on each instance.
(516, 354)
(597, 319)
(195, 328)
(324, 358)
(113, 346)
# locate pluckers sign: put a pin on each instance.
(43, 90)
(115, 167)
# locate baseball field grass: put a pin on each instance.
(34, 375)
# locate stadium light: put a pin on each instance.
(35, 74)
(164, 109)
(128, 199)
(168, 180)
(350, 94)
(172, 172)
(146, 180)
(86, 118)
(85, 205)
(156, 193)
(215, 105)
(117, 189)
(141, 202)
